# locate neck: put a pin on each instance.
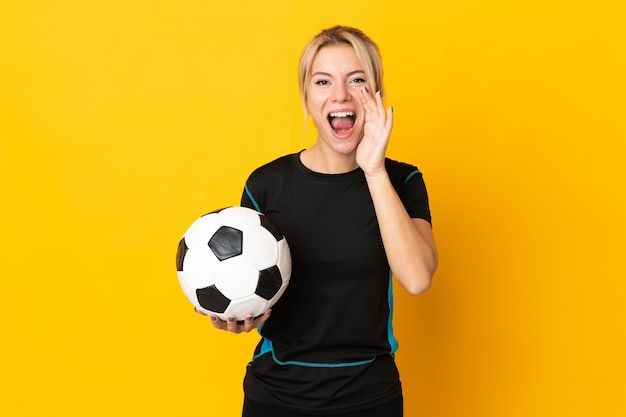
(318, 160)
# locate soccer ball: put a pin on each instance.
(233, 262)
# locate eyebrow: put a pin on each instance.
(351, 73)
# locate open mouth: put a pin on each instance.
(342, 122)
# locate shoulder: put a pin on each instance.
(408, 181)
(265, 183)
(278, 166)
(272, 176)
(401, 172)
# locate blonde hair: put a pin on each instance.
(366, 51)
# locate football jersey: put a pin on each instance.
(328, 345)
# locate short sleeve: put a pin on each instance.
(409, 184)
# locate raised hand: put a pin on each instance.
(370, 154)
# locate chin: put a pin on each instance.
(346, 146)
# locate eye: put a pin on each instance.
(321, 82)
(358, 80)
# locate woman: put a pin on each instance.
(351, 216)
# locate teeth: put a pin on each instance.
(341, 114)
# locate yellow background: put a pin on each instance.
(122, 121)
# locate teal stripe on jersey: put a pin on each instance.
(393, 343)
(268, 347)
(411, 175)
(256, 205)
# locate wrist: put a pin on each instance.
(379, 174)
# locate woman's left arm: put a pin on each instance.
(409, 243)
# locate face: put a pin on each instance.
(333, 101)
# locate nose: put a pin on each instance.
(341, 93)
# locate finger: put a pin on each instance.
(263, 318)
(248, 323)
(366, 98)
(202, 313)
(389, 122)
(375, 108)
(257, 322)
(380, 106)
(367, 101)
(232, 325)
(218, 323)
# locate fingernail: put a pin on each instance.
(213, 318)
(269, 312)
(366, 90)
(231, 319)
(249, 318)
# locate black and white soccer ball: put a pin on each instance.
(233, 262)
